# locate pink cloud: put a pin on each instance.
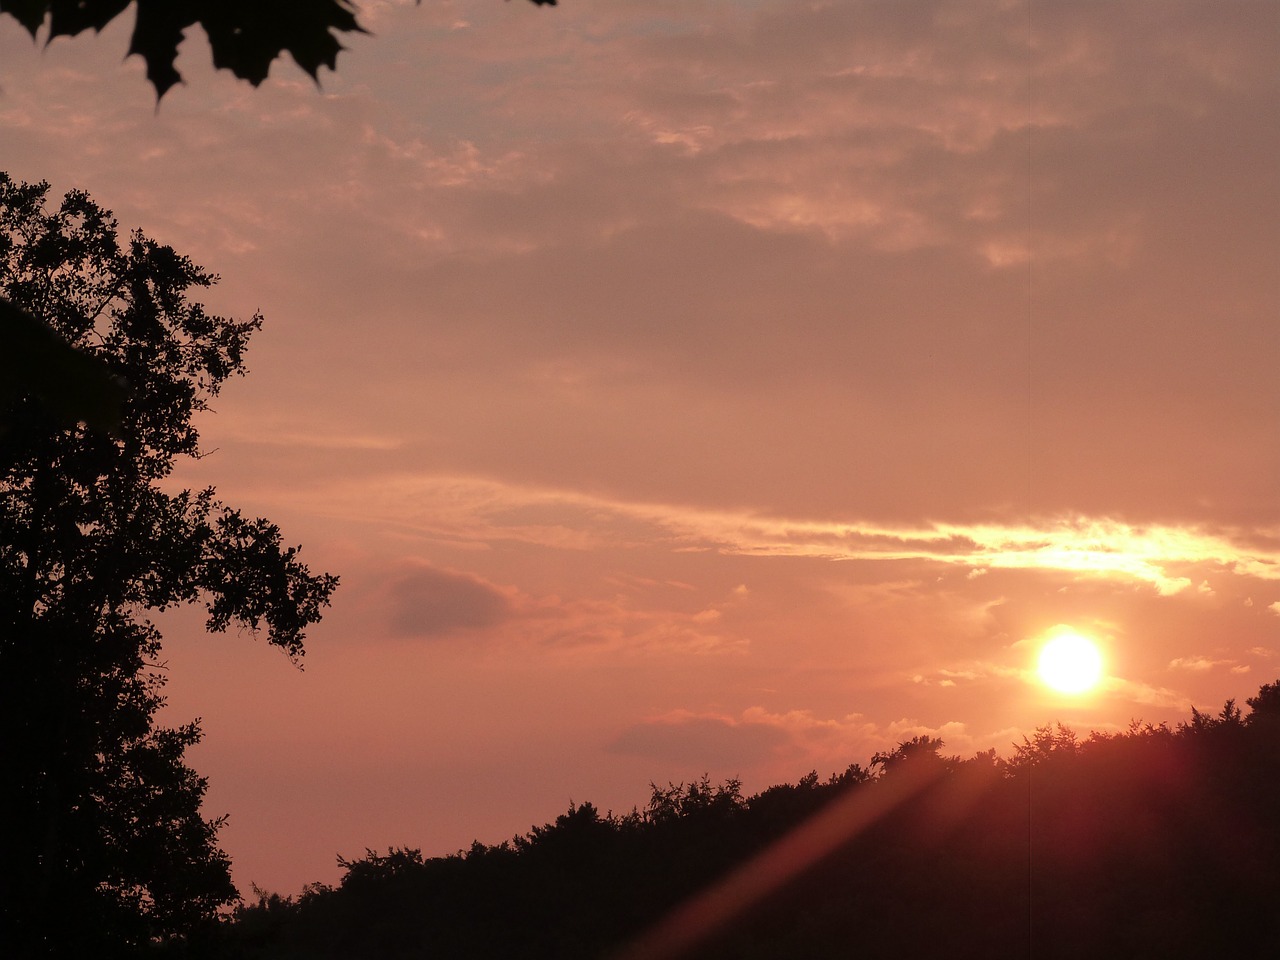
(702, 742)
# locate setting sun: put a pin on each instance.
(1070, 663)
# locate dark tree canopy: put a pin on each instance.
(101, 816)
(245, 35)
(35, 361)
(1160, 842)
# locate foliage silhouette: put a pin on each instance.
(71, 384)
(102, 816)
(245, 36)
(1156, 842)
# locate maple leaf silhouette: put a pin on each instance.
(246, 36)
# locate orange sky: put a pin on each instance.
(722, 387)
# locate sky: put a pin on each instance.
(707, 387)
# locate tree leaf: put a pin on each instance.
(245, 36)
(29, 13)
(70, 17)
(156, 35)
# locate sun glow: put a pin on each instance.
(1070, 663)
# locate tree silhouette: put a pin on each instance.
(101, 816)
(1157, 842)
(1265, 707)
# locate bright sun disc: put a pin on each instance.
(1069, 663)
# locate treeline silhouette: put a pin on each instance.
(1157, 842)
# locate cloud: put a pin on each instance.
(274, 436)
(475, 509)
(1201, 664)
(758, 737)
(1145, 693)
(701, 742)
(945, 677)
(431, 602)
(829, 242)
(614, 625)
(833, 742)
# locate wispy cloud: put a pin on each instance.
(702, 741)
(471, 509)
(1145, 694)
(797, 740)
(315, 440)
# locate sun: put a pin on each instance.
(1070, 663)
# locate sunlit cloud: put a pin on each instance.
(1197, 664)
(798, 739)
(1144, 694)
(834, 742)
(485, 510)
(599, 628)
(803, 739)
